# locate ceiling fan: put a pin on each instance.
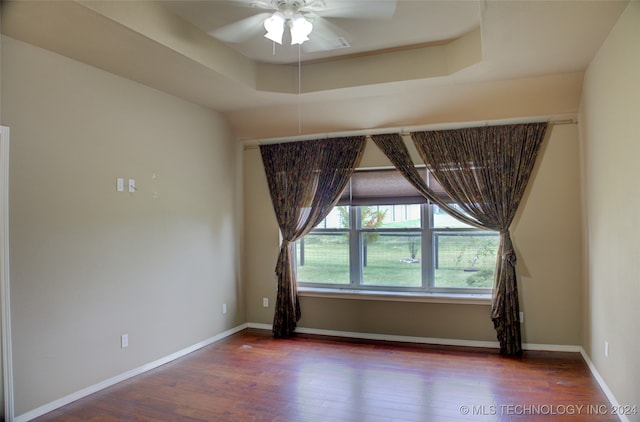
(303, 21)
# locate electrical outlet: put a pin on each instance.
(265, 302)
(224, 308)
(124, 341)
(119, 184)
(521, 316)
(606, 349)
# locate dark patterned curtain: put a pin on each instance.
(485, 171)
(305, 181)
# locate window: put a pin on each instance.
(395, 241)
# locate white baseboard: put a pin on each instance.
(402, 339)
(552, 347)
(119, 378)
(260, 326)
(423, 340)
(605, 388)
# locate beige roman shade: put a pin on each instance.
(385, 187)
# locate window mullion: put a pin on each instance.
(427, 246)
(354, 247)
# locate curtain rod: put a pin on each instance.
(564, 119)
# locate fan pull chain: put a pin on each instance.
(299, 92)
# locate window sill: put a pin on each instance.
(469, 299)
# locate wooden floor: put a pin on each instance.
(251, 376)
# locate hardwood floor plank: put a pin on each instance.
(251, 376)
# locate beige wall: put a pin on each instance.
(610, 134)
(547, 233)
(88, 263)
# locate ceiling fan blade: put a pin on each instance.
(325, 36)
(260, 4)
(357, 9)
(241, 30)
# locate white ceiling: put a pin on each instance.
(432, 62)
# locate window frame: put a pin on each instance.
(428, 235)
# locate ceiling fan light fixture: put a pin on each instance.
(275, 27)
(300, 29)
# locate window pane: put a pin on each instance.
(338, 218)
(391, 259)
(465, 260)
(323, 258)
(442, 220)
(390, 216)
(373, 216)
